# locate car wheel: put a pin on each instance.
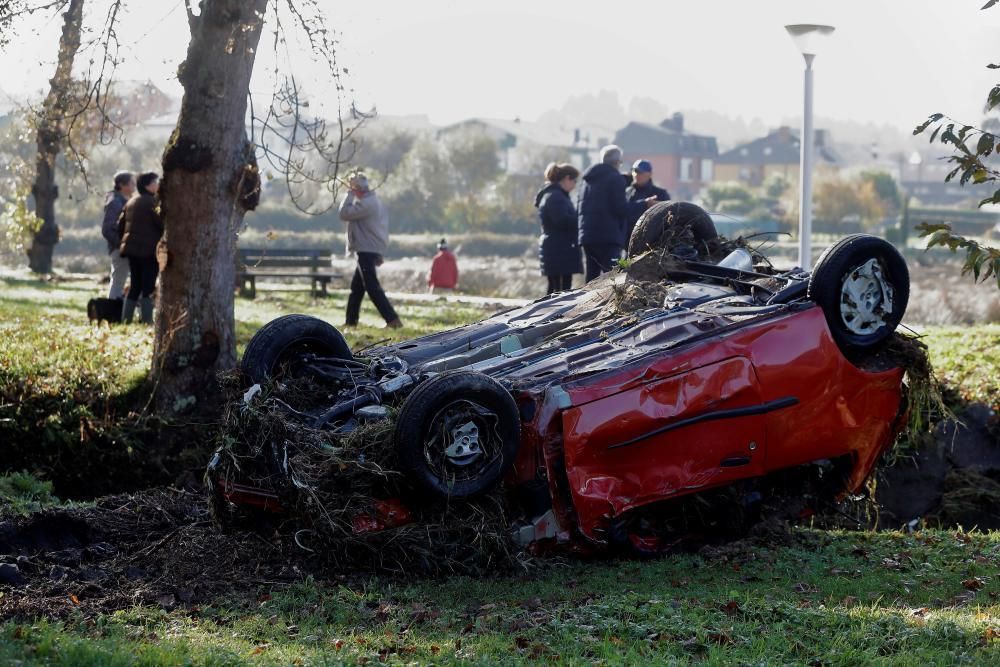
(862, 284)
(656, 228)
(457, 434)
(281, 341)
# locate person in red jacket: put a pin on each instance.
(444, 270)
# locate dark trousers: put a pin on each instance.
(559, 283)
(366, 280)
(142, 277)
(600, 259)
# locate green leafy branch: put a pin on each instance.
(971, 146)
(981, 261)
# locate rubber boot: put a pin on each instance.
(147, 309)
(128, 310)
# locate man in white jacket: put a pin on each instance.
(368, 237)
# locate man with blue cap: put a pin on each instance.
(641, 195)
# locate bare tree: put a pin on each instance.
(211, 179)
(74, 111)
(50, 132)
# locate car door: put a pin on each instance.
(690, 431)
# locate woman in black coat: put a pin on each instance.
(558, 248)
(140, 229)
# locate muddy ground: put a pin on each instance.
(955, 481)
(158, 547)
(161, 548)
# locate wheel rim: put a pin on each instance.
(462, 441)
(866, 299)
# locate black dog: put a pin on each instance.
(107, 310)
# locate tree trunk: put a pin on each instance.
(209, 181)
(50, 134)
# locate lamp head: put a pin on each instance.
(809, 36)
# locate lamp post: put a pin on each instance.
(807, 37)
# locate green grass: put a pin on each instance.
(22, 493)
(832, 597)
(967, 360)
(74, 396)
(835, 598)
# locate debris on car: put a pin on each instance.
(581, 421)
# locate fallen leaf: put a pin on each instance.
(963, 598)
(74, 599)
(974, 584)
(721, 638)
(259, 649)
(732, 607)
(891, 564)
(849, 601)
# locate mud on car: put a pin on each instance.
(694, 367)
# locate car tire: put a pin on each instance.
(433, 459)
(648, 233)
(866, 265)
(278, 341)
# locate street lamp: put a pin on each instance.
(807, 37)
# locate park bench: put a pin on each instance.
(309, 263)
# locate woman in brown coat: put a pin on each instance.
(141, 229)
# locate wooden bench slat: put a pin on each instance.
(268, 263)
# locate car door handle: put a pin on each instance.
(735, 461)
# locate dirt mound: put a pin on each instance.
(971, 499)
(157, 547)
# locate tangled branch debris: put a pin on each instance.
(338, 487)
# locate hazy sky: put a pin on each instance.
(889, 61)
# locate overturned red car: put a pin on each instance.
(594, 416)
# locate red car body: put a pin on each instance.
(601, 461)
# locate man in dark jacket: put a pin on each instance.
(602, 210)
(114, 202)
(641, 195)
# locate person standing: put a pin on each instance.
(140, 228)
(114, 202)
(602, 213)
(558, 247)
(368, 237)
(443, 275)
(641, 194)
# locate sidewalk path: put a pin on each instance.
(467, 299)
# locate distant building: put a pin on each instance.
(682, 162)
(951, 193)
(522, 146)
(777, 153)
